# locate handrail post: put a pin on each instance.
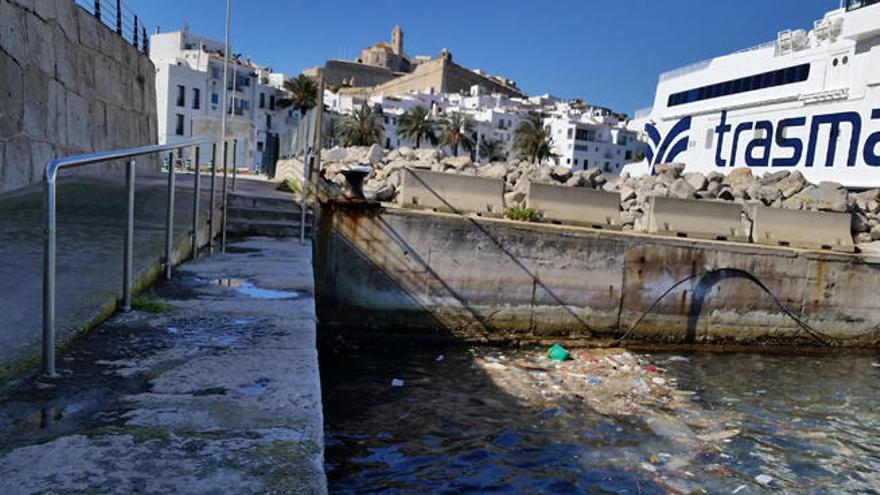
(129, 237)
(196, 199)
(212, 200)
(169, 218)
(98, 10)
(134, 40)
(234, 162)
(119, 17)
(49, 279)
(305, 192)
(223, 208)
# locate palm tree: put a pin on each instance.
(531, 139)
(360, 128)
(416, 125)
(303, 94)
(492, 150)
(458, 131)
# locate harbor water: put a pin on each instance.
(423, 419)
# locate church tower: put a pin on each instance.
(397, 40)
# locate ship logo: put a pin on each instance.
(666, 150)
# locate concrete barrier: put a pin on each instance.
(575, 205)
(452, 193)
(803, 229)
(712, 220)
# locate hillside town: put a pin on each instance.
(236, 264)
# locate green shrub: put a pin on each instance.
(521, 214)
(150, 305)
(295, 187)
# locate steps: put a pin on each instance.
(265, 213)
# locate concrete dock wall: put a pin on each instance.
(438, 275)
(68, 85)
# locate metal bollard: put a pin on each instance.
(169, 218)
(129, 238)
(196, 199)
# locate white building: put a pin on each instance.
(592, 137)
(582, 136)
(807, 101)
(189, 92)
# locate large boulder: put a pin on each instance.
(427, 155)
(739, 176)
(493, 171)
(561, 173)
(697, 180)
(670, 170)
(373, 155)
(827, 196)
(457, 162)
(772, 178)
(792, 184)
(682, 189)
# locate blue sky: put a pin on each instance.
(608, 53)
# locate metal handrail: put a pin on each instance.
(50, 175)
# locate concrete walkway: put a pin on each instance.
(91, 219)
(217, 393)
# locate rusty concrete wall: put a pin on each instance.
(440, 275)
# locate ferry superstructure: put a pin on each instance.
(810, 101)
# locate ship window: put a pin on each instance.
(779, 77)
(710, 135)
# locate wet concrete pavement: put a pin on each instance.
(218, 394)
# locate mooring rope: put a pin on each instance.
(819, 336)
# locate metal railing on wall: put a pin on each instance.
(119, 17)
(175, 151)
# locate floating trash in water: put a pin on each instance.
(876, 365)
(172, 330)
(557, 353)
(740, 488)
(396, 382)
(681, 359)
(439, 358)
(594, 380)
(764, 479)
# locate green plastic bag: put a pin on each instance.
(557, 353)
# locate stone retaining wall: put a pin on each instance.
(68, 85)
(434, 275)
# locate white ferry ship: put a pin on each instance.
(808, 101)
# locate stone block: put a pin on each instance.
(17, 166)
(77, 114)
(65, 16)
(13, 31)
(11, 96)
(98, 121)
(110, 44)
(45, 9)
(85, 74)
(65, 62)
(87, 27)
(36, 98)
(40, 35)
(41, 153)
(56, 112)
(108, 83)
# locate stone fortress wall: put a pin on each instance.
(68, 85)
